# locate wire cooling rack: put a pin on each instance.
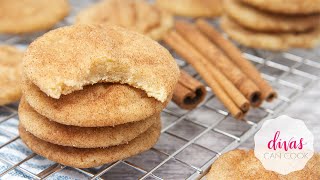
(190, 141)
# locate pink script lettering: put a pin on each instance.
(277, 143)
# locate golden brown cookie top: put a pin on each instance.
(136, 15)
(287, 7)
(10, 65)
(270, 41)
(242, 164)
(256, 19)
(66, 59)
(192, 8)
(102, 104)
(27, 16)
(10, 56)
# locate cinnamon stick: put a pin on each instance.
(189, 92)
(236, 56)
(209, 74)
(220, 61)
(204, 68)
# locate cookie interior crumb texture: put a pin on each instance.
(101, 104)
(67, 59)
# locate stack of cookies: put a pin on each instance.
(273, 25)
(93, 95)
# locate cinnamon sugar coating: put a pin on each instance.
(136, 15)
(81, 137)
(243, 165)
(66, 59)
(270, 41)
(29, 16)
(91, 157)
(10, 66)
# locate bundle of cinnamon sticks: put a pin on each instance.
(234, 80)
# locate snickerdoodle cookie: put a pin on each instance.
(102, 104)
(10, 60)
(81, 137)
(243, 165)
(65, 60)
(90, 157)
(270, 41)
(192, 8)
(287, 7)
(136, 15)
(256, 19)
(31, 15)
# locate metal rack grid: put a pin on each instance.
(190, 141)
